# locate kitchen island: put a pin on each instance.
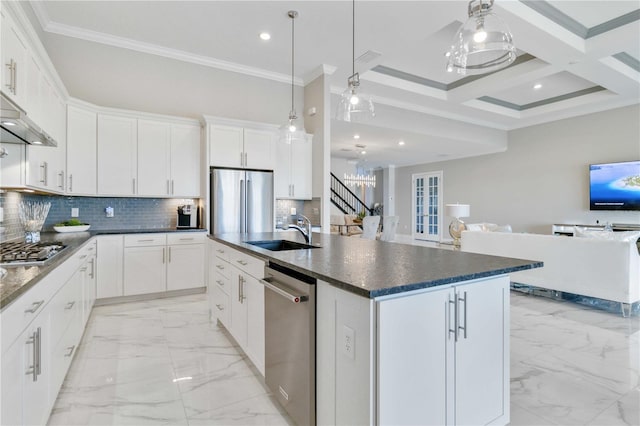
(404, 334)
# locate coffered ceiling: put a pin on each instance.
(584, 54)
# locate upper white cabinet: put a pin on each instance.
(14, 60)
(241, 147)
(154, 167)
(168, 159)
(117, 155)
(81, 151)
(293, 172)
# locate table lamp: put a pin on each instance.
(456, 227)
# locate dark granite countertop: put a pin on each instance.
(376, 268)
(19, 279)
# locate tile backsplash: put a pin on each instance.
(130, 213)
(308, 208)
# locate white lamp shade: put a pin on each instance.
(457, 210)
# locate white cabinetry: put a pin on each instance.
(145, 258)
(109, 266)
(117, 155)
(155, 263)
(185, 267)
(293, 172)
(81, 151)
(235, 280)
(168, 159)
(14, 60)
(434, 356)
(231, 146)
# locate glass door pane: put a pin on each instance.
(427, 199)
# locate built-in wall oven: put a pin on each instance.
(290, 341)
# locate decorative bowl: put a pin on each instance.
(77, 228)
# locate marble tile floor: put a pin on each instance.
(161, 362)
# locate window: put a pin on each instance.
(427, 205)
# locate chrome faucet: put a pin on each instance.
(306, 233)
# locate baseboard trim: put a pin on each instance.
(149, 296)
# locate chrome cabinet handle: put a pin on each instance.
(168, 188)
(220, 283)
(33, 370)
(11, 76)
(70, 182)
(295, 298)
(220, 251)
(293, 189)
(34, 307)
(70, 349)
(187, 239)
(93, 267)
(134, 186)
(83, 256)
(15, 77)
(242, 262)
(43, 173)
(146, 241)
(169, 254)
(220, 308)
(163, 255)
(69, 305)
(61, 180)
(220, 267)
(241, 159)
(241, 289)
(454, 302)
(171, 186)
(463, 328)
(246, 159)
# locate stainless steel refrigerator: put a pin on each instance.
(241, 201)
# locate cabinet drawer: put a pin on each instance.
(62, 354)
(141, 240)
(221, 251)
(221, 307)
(222, 282)
(249, 264)
(87, 251)
(186, 238)
(65, 307)
(221, 267)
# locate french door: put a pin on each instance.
(427, 206)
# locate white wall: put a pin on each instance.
(542, 178)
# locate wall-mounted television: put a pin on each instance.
(614, 186)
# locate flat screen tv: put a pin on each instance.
(614, 186)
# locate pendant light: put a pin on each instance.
(483, 44)
(293, 129)
(354, 105)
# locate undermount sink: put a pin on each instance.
(280, 245)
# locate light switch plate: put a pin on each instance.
(75, 212)
(293, 211)
(349, 342)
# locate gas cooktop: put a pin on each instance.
(29, 254)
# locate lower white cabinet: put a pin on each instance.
(237, 298)
(439, 356)
(109, 266)
(155, 263)
(37, 356)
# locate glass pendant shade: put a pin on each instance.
(355, 106)
(483, 44)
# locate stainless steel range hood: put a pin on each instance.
(17, 127)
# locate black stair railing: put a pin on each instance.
(344, 199)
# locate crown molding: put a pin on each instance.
(322, 69)
(153, 49)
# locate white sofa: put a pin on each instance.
(605, 269)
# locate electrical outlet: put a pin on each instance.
(1, 214)
(75, 212)
(109, 211)
(348, 342)
(293, 211)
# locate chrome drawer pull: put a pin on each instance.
(221, 283)
(242, 262)
(69, 305)
(70, 349)
(221, 308)
(34, 307)
(268, 282)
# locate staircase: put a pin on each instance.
(345, 200)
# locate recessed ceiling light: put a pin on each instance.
(265, 36)
(537, 86)
(401, 143)
(356, 136)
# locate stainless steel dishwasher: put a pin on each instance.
(290, 341)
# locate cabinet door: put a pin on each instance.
(186, 266)
(109, 266)
(89, 288)
(282, 170)
(154, 139)
(59, 121)
(81, 151)
(482, 353)
(259, 149)
(144, 270)
(13, 51)
(11, 382)
(13, 167)
(34, 102)
(117, 141)
(35, 397)
(238, 307)
(254, 293)
(225, 146)
(301, 169)
(413, 339)
(41, 167)
(185, 161)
